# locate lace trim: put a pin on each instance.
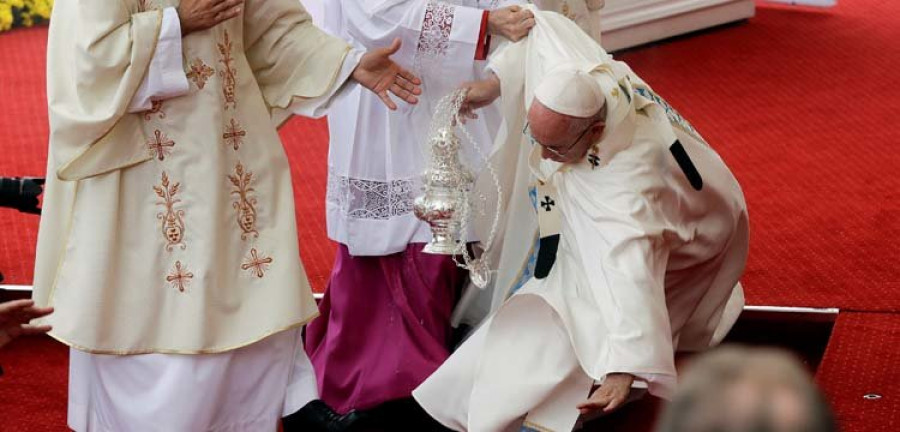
(369, 199)
(434, 40)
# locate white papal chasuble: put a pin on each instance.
(648, 262)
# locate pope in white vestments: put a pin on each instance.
(168, 244)
(643, 236)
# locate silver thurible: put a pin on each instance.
(445, 202)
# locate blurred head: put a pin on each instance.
(567, 115)
(738, 389)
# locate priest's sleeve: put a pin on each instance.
(98, 53)
(441, 41)
(292, 60)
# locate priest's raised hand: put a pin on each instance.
(378, 73)
(197, 15)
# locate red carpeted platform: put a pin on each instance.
(799, 102)
(860, 371)
(34, 386)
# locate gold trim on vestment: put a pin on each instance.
(536, 427)
(51, 296)
(186, 352)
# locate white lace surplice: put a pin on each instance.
(376, 157)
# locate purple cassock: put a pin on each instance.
(384, 325)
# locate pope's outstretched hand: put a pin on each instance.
(378, 73)
(611, 395)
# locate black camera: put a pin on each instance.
(21, 193)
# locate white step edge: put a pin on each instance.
(644, 24)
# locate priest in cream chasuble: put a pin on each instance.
(642, 236)
(169, 222)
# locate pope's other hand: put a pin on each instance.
(479, 94)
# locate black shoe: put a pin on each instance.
(399, 415)
(317, 416)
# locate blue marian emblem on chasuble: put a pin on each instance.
(528, 270)
(674, 117)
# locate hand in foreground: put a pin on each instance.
(611, 394)
(513, 22)
(14, 318)
(197, 15)
(479, 94)
(378, 73)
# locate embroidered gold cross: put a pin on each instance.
(180, 277)
(160, 145)
(257, 265)
(199, 73)
(234, 134)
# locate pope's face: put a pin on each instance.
(562, 138)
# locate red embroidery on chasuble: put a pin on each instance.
(228, 73)
(160, 145)
(234, 134)
(246, 203)
(172, 226)
(179, 277)
(156, 107)
(256, 264)
(199, 73)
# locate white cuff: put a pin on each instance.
(466, 25)
(165, 77)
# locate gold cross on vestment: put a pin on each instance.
(234, 134)
(180, 277)
(160, 145)
(257, 265)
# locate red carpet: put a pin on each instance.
(34, 386)
(798, 102)
(862, 359)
